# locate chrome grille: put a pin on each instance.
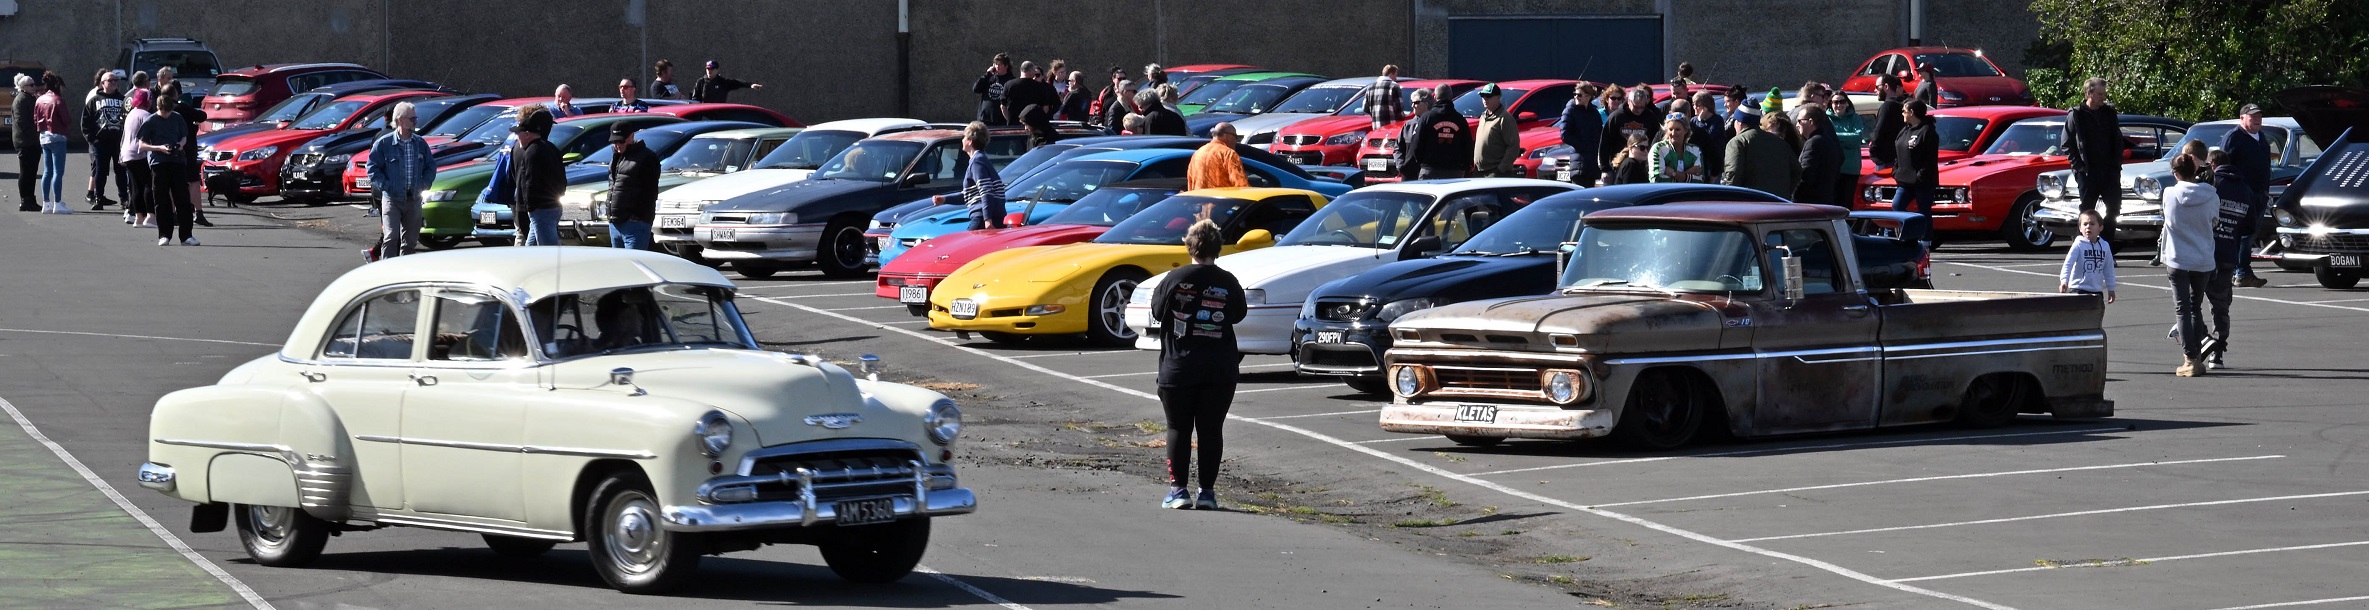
(838, 475)
(2333, 242)
(1484, 378)
(1301, 140)
(217, 155)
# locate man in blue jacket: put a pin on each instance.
(2250, 154)
(1583, 128)
(400, 170)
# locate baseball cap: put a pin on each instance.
(622, 133)
(534, 119)
(711, 64)
(1489, 90)
(2249, 109)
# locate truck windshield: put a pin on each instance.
(637, 318)
(1361, 219)
(1676, 259)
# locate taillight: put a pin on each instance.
(1924, 263)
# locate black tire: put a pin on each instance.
(280, 536)
(918, 310)
(2333, 279)
(840, 252)
(1992, 401)
(1106, 308)
(439, 242)
(1475, 441)
(495, 242)
(1663, 412)
(1004, 338)
(877, 553)
(513, 546)
(1368, 384)
(755, 270)
(2022, 230)
(629, 549)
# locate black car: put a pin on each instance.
(2323, 218)
(316, 172)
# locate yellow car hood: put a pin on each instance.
(1037, 270)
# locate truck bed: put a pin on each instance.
(1922, 316)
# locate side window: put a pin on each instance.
(474, 328)
(1819, 274)
(1546, 103)
(380, 329)
(591, 142)
(304, 82)
(2146, 141)
(1002, 149)
(1465, 216)
(1172, 168)
(1874, 67)
(1259, 177)
(764, 147)
(1278, 215)
(942, 162)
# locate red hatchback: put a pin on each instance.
(1535, 104)
(248, 166)
(1335, 140)
(238, 95)
(1967, 78)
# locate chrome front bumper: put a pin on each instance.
(157, 476)
(1509, 421)
(806, 512)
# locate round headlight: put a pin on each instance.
(2148, 188)
(714, 432)
(1408, 383)
(2286, 219)
(2052, 186)
(944, 422)
(1562, 387)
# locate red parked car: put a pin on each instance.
(248, 166)
(1997, 192)
(1535, 103)
(1335, 140)
(1967, 78)
(239, 94)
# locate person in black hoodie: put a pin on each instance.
(1634, 118)
(1031, 101)
(1918, 152)
(633, 190)
(1887, 120)
(1445, 140)
(990, 89)
(2230, 230)
(102, 128)
(540, 177)
(1821, 156)
(2093, 144)
(1158, 118)
(1195, 310)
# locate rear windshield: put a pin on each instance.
(1107, 207)
(1251, 99)
(1165, 223)
(809, 149)
(1470, 105)
(1318, 100)
(1210, 92)
(228, 86)
(468, 119)
(329, 116)
(187, 64)
(288, 109)
(709, 155)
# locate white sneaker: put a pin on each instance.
(164, 241)
(127, 218)
(189, 242)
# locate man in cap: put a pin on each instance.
(1500, 137)
(2250, 154)
(630, 99)
(540, 178)
(633, 189)
(714, 87)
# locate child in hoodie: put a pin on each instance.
(2089, 266)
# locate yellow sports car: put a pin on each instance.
(1015, 294)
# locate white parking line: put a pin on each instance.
(2313, 602)
(142, 516)
(865, 308)
(2136, 562)
(1314, 414)
(2241, 296)
(1247, 366)
(1474, 481)
(967, 588)
(121, 336)
(803, 284)
(1979, 475)
(2084, 513)
(821, 296)
(1911, 441)
(1402, 438)
(1028, 356)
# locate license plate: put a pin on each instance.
(486, 218)
(1563, 175)
(1328, 336)
(914, 294)
(1377, 165)
(963, 309)
(2344, 261)
(361, 184)
(866, 512)
(1477, 414)
(723, 234)
(881, 244)
(674, 222)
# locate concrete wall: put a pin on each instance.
(827, 60)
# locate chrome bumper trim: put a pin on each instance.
(805, 512)
(157, 476)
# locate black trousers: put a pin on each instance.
(1190, 408)
(2108, 191)
(168, 189)
(1587, 175)
(102, 163)
(136, 199)
(28, 169)
(1846, 192)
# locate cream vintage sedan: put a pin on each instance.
(546, 395)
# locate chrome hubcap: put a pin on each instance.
(2033, 232)
(272, 523)
(1114, 308)
(634, 541)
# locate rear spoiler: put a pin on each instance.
(1903, 226)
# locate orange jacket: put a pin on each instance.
(1215, 165)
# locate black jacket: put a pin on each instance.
(102, 122)
(2251, 156)
(990, 88)
(189, 147)
(1918, 150)
(1076, 105)
(633, 185)
(2093, 139)
(1163, 121)
(540, 176)
(1821, 162)
(20, 131)
(715, 90)
(1617, 127)
(1029, 101)
(1443, 140)
(1887, 129)
(1195, 310)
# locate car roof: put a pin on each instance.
(921, 135)
(1250, 193)
(696, 127)
(1173, 184)
(263, 69)
(527, 274)
(373, 98)
(1930, 50)
(749, 133)
(1638, 192)
(1434, 82)
(1535, 83)
(605, 117)
(1260, 76)
(1351, 82)
(2125, 119)
(1442, 188)
(871, 125)
(1135, 155)
(1725, 211)
(1997, 112)
(1205, 67)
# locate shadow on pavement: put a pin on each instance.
(2032, 430)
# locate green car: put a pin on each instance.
(706, 156)
(445, 216)
(1203, 96)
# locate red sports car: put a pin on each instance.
(1967, 78)
(932, 260)
(246, 167)
(1996, 192)
(239, 94)
(1535, 103)
(1335, 140)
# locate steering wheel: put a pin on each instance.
(1344, 233)
(571, 328)
(1738, 283)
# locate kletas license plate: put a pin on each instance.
(866, 512)
(1476, 413)
(963, 309)
(913, 294)
(2344, 261)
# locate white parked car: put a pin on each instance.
(1361, 230)
(615, 398)
(679, 207)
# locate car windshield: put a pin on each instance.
(1212, 91)
(1361, 219)
(468, 119)
(657, 141)
(1540, 227)
(187, 64)
(1318, 100)
(1957, 64)
(809, 149)
(1036, 157)
(1678, 259)
(493, 130)
(667, 316)
(1470, 106)
(870, 160)
(1069, 181)
(1106, 207)
(1193, 83)
(1165, 223)
(1250, 99)
(1958, 133)
(232, 86)
(329, 116)
(2030, 139)
(429, 111)
(2212, 135)
(708, 156)
(288, 109)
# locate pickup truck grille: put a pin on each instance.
(1484, 378)
(838, 475)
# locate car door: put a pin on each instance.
(362, 370)
(464, 414)
(943, 164)
(1818, 359)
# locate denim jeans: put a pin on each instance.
(1908, 195)
(2188, 295)
(542, 228)
(53, 171)
(629, 234)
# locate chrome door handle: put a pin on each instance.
(425, 380)
(315, 377)
(1856, 310)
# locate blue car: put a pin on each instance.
(1041, 194)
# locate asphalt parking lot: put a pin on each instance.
(2236, 490)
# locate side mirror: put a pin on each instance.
(1256, 238)
(914, 179)
(571, 157)
(1015, 219)
(1563, 254)
(1526, 117)
(1419, 247)
(1788, 276)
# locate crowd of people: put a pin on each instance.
(141, 132)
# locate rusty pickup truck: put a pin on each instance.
(1675, 318)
